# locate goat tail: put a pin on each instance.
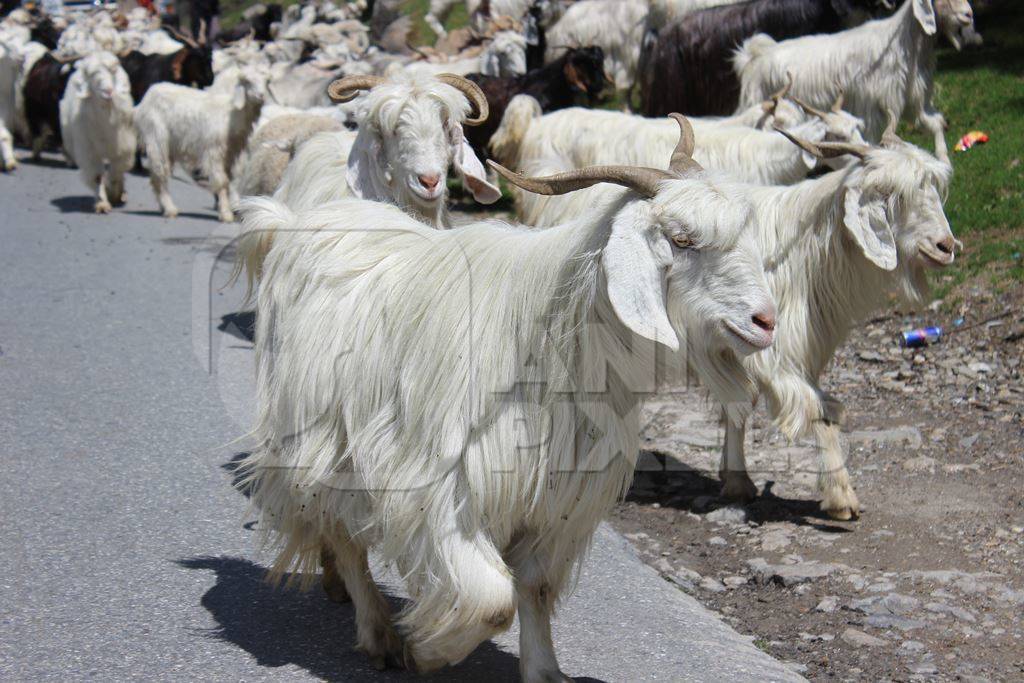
(752, 48)
(262, 218)
(515, 123)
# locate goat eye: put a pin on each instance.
(682, 241)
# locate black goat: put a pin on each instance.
(43, 89)
(43, 31)
(579, 71)
(258, 24)
(192, 65)
(687, 66)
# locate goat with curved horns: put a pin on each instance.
(480, 467)
(836, 248)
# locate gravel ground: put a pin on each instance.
(927, 585)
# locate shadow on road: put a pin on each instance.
(662, 479)
(46, 161)
(183, 214)
(75, 204)
(287, 627)
(240, 324)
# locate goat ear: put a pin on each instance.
(238, 97)
(867, 223)
(924, 11)
(474, 177)
(573, 76)
(636, 263)
(177, 64)
(363, 158)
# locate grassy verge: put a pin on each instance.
(984, 90)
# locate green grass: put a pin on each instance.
(983, 90)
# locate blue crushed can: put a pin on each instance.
(920, 337)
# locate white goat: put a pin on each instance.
(438, 10)
(882, 66)
(272, 147)
(410, 135)
(505, 55)
(96, 125)
(616, 26)
(575, 138)
(16, 60)
(201, 130)
(443, 396)
(836, 248)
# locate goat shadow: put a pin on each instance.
(286, 627)
(282, 626)
(75, 204)
(662, 479)
(184, 214)
(240, 324)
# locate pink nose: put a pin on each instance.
(765, 319)
(429, 181)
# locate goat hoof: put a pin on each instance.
(10, 166)
(841, 504)
(103, 207)
(385, 648)
(737, 487)
(227, 218)
(170, 213)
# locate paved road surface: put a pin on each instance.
(123, 546)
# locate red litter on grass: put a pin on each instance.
(975, 137)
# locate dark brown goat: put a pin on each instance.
(43, 89)
(191, 65)
(556, 86)
(687, 66)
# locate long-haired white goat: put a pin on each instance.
(201, 130)
(836, 248)
(410, 135)
(443, 395)
(96, 125)
(882, 66)
(575, 138)
(16, 60)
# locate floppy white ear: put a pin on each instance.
(363, 161)
(121, 83)
(867, 223)
(474, 177)
(635, 266)
(238, 97)
(924, 11)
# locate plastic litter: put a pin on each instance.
(975, 137)
(920, 337)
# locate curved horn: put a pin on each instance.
(889, 136)
(345, 89)
(473, 93)
(682, 156)
(813, 111)
(202, 32)
(826, 150)
(773, 100)
(644, 181)
(180, 37)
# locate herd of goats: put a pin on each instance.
(459, 394)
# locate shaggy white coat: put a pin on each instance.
(883, 66)
(408, 128)
(199, 129)
(442, 396)
(576, 138)
(835, 249)
(16, 60)
(96, 125)
(616, 26)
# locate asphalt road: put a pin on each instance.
(124, 551)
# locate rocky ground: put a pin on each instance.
(928, 584)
